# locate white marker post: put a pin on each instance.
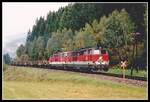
(123, 66)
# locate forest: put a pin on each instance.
(121, 28)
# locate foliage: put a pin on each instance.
(20, 50)
(118, 70)
(5, 67)
(81, 25)
(6, 58)
(118, 32)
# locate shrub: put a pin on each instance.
(5, 67)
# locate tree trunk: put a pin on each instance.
(136, 59)
(132, 62)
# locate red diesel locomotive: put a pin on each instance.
(87, 58)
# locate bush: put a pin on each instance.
(5, 67)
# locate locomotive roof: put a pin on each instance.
(81, 49)
(78, 50)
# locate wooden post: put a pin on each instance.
(123, 72)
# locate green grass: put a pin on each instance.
(116, 70)
(30, 83)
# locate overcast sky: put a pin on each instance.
(18, 18)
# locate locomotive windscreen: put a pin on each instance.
(103, 51)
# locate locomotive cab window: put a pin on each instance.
(103, 51)
(81, 52)
(90, 51)
(85, 52)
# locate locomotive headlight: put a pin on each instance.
(105, 62)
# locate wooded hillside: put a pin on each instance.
(110, 25)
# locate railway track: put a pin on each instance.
(89, 72)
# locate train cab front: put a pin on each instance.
(103, 61)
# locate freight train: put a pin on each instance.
(93, 59)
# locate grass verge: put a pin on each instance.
(117, 70)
